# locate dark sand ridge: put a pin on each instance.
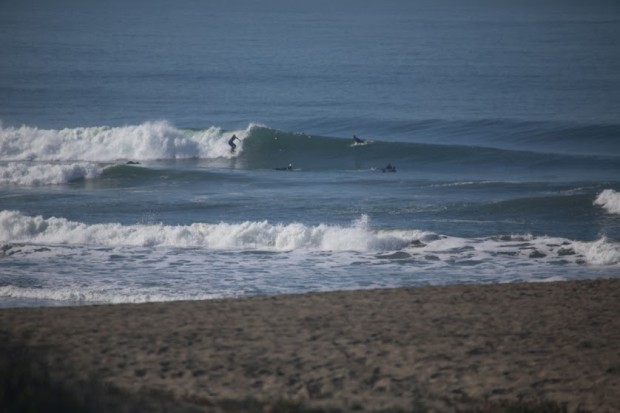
(419, 349)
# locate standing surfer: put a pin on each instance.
(358, 140)
(231, 142)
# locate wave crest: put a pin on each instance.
(609, 200)
(600, 252)
(27, 174)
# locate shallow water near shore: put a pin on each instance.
(117, 183)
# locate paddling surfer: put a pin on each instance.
(389, 168)
(286, 168)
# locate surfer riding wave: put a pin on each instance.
(231, 142)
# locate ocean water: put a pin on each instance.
(117, 183)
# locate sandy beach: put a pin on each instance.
(420, 349)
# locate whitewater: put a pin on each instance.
(162, 262)
(150, 140)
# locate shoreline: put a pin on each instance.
(447, 348)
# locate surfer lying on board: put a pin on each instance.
(286, 168)
(358, 140)
(231, 142)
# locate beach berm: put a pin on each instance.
(553, 346)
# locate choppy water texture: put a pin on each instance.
(117, 183)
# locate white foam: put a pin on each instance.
(80, 295)
(147, 141)
(265, 236)
(29, 174)
(610, 200)
(602, 251)
(464, 183)
(520, 250)
(79, 263)
(16, 227)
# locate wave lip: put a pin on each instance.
(609, 200)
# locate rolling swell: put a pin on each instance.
(145, 174)
(543, 212)
(435, 148)
(266, 148)
(535, 136)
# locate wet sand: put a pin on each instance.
(417, 349)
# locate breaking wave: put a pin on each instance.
(147, 141)
(32, 156)
(609, 200)
(33, 174)
(16, 228)
(246, 235)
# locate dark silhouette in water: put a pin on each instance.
(231, 142)
(358, 140)
(286, 168)
(389, 168)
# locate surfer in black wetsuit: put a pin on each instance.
(286, 168)
(389, 168)
(358, 140)
(231, 142)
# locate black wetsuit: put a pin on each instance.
(389, 168)
(231, 142)
(286, 168)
